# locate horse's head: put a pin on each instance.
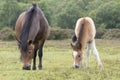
(27, 54)
(77, 55)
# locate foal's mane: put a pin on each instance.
(26, 26)
(78, 44)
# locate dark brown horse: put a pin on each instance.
(31, 30)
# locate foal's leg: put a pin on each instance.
(40, 54)
(34, 60)
(82, 61)
(88, 55)
(95, 52)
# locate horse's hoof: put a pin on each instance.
(26, 68)
(40, 67)
(34, 68)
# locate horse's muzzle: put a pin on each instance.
(26, 67)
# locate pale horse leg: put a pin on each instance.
(88, 56)
(95, 52)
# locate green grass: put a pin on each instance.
(57, 62)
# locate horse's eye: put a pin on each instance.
(29, 52)
(78, 55)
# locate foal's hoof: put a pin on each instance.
(26, 68)
(101, 67)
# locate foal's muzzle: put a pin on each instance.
(75, 66)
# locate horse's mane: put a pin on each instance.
(26, 26)
(78, 44)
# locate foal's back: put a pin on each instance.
(88, 30)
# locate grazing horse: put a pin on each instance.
(84, 35)
(31, 31)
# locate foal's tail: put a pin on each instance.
(74, 38)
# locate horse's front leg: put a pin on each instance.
(40, 54)
(34, 60)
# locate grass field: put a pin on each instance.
(57, 62)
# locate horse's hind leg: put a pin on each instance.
(40, 54)
(95, 52)
(34, 60)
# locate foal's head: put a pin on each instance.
(77, 55)
(27, 54)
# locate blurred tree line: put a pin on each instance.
(64, 13)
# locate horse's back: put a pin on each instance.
(39, 25)
(42, 26)
(19, 24)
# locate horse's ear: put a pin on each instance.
(30, 42)
(18, 41)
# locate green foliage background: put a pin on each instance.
(64, 13)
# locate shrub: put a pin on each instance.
(60, 34)
(112, 34)
(6, 34)
(100, 33)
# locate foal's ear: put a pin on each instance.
(79, 46)
(72, 45)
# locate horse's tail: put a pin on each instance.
(26, 26)
(74, 38)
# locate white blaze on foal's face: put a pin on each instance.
(75, 54)
(77, 58)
